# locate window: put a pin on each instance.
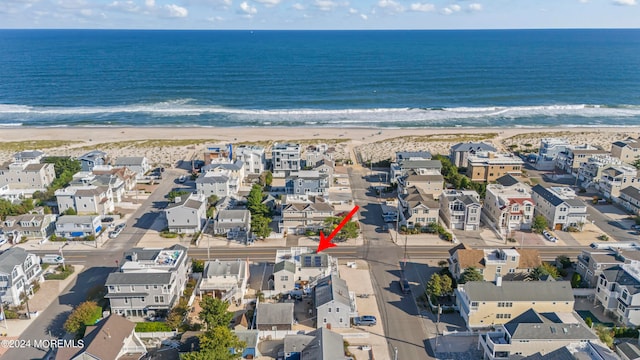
(132, 287)
(329, 310)
(505, 304)
(625, 295)
(474, 304)
(158, 298)
(341, 321)
(284, 278)
(126, 300)
(498, 269)
(117, 288)
(324, 320)
(503, 316)
(337, 309)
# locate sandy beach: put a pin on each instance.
(167, 145)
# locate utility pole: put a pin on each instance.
(438, 326)
(395, 353)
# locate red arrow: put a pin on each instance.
(325, 243)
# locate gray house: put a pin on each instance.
(225, 280)
(320, 344)
(308, 182)
(274, 316)
(138, 164)
(334, 304)
(235, 224)
(19, 270)
(284, 276)
(149, 281)
(460, 209)
(92, 159)
(187, 214)
(459, 153)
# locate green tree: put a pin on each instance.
(197, 266)
(589, 322)
(446, 284)
(173, 194)
(260, 226)
(214, 312)
(434, 286)
(470, 274)
(85, 314)
(564, 261)
(575, 280)
(539, 224)
(254, 202)
(212, 200)
(266, 178)
(348, 231)
(216, 344)
(544, 269)
(70, 211)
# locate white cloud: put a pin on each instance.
(364, 16)
(124, 6)
(422, 7)
(325, 5)
(390, 5)
(353, 11)
(455, 7)
(475, 7)
(584, 1)
(175, 11)
(248, 9)
(269, 3)
(625, 2)
(71, 4)
(150, 3)
(298, 6)
(451, 9)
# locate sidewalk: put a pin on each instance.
(48, 293)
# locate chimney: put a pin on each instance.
(498, 280)
(134, 256)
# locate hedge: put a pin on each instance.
(152, 326)
(68, 270)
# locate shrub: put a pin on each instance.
(589, 322)
(168, 235)
(603, 237)
(10, 314)
(154, 326)
(63, 273)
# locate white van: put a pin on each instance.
(52, 259)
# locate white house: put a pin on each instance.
(85, 200)
(218, 183)
(286, 158)
(225, 280)
(31, 226)
(300, 268)
(618, 291)
(27, 174)
(233, 223)
(560, 207)
(138, 164)
(460, 209)
(418, 208)
(252, 157)
(187, 214)
(78, 226)
(19, 270)
(335, 305)
(509, 205)
(616, 177)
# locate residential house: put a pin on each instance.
(550, 150)
(320, 344)
(251, 338)
(85, 200)
(571, 160)
(616, 177)
(419, 166)
(417, 208)
(628, 350)
(626, 150)
(28, 156)
(78, 226)
(487, 166)
(483, 304)
(235, 224)
(459, 153)
(273, 317)
(618, 291)
(412, 155)
(30, 175)
(299, 268)
(286, 158)
(218, 153)
(535, 332)
(220, 184)
(560, 206)
(325, 167)
(590, 172)
(113, 338)
(460, 209)
(233, 170)
(430, 182)
(93, 158)
(137, 164)
(300, 214)
(226, 280)
(308, 182)
(127, 176)
(19, 271)
(252, 157)
(14, 195)
(334, 305)
(509, 205)
(31, 226)
(148, 282)
(114, 183)
(187, 214)
(592, 262)
(314, 154)
(510, 264)
(630, 199)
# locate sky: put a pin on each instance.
(319, 14)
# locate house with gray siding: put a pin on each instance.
(187, 214)
(252, 157)
(31, 226)
(19, 271)
(460, 209)
(218, 183)
(560, 207)
(334, 305)
(78, 226)
(92, 159)
(274, 316)
(225, 279)
(320, 344)
(85, 200)
(235, 224)
(286, 158)
(27, 175)
(630, 199)
(300, 268)
(459, 153)
(308, 182)
(138, 164)
(148, 282)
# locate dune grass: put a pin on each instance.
(15, 146)
(442, 138)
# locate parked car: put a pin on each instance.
(404, 286)
(107, 219)
(547, 235)
(52, 259)
(366, 320)
(182, 179)
(635, 227)
(117, 230)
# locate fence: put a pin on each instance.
(156, 335)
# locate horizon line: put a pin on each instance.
(361, 29)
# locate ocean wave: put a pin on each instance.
(189, 112)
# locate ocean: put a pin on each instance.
(386, 79)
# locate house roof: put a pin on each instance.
(403, 155)
(250, 337)
(11, 258)
(129, 160)
(468, 146)
(630, 350)
(575, 202)
(421, 164)
(274, 314)
(295, 343)
(150, 253)
(325, 345)
(225, 268)
(235, 166)
(547, 195)
(36, 167)
(233, 214)
(415, 197)
(28, 154)
(212, 178)
(507, 180)
(92, 155)
(332, 288)
(529, 258)
(286, 266)
(631, 192)
(470, 258)
(532, 325)
(138, 278)
(317, 206)
(460, 246)
(188, 200)
(559, 354)
(103, 341)
(620, 276)
(519, 291)
(76, 219)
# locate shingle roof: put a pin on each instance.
(103, 341)
(250, 337)
(618, 275)
(519, 291)
(274, 314)
(529, 259)
(332, 288)
(138, 278)
(415, 197)
(421, 164)
(532, 325)
(233, 214)
(229, 267)
(402, 155)
(468, 146)
(212, 179)
(547, 195)
(129, 160)
(326, 345)
(76, 219)
(507, 180)
(470, 258)
(284, 265)
(631, 192)
(575, 202)
(12, 257)
(630, 350)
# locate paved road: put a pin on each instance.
(98, 265)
